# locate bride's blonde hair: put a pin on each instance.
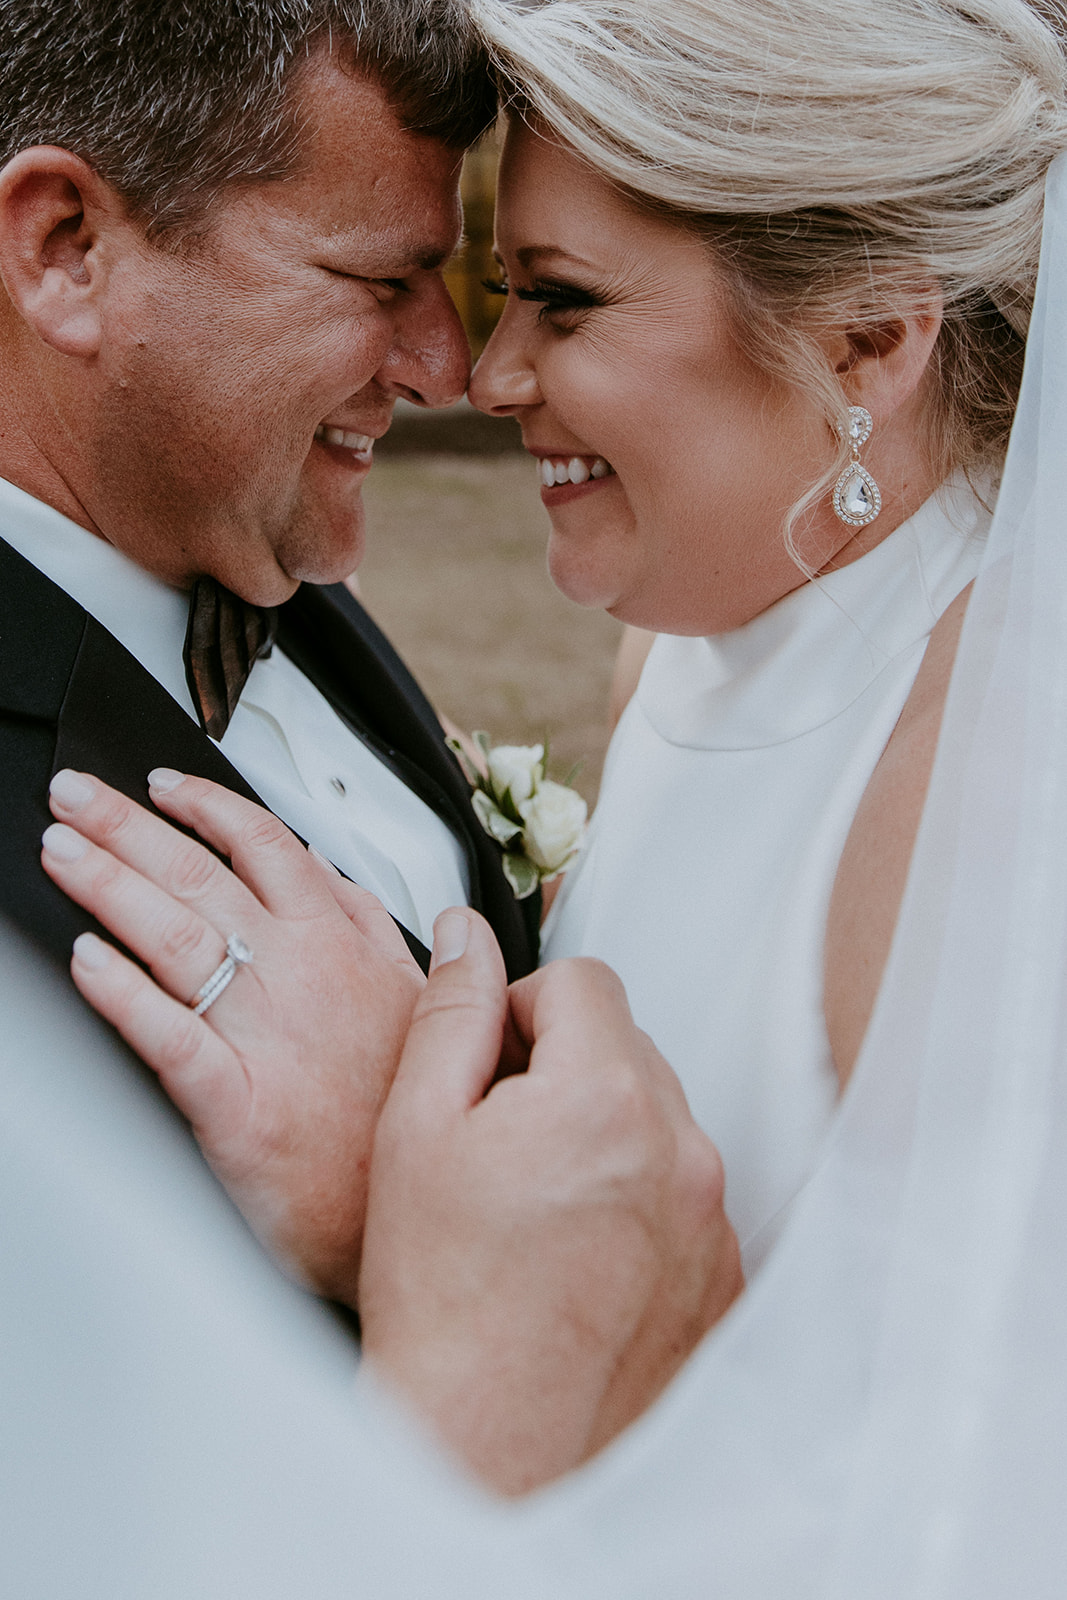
(837, 155)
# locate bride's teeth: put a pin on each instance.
(335, 436)
(572, 470)
(320, 432)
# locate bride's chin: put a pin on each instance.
(579, 579)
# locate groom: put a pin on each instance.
(221, 243)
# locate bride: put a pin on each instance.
(769, 274)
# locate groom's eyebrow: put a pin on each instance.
(389, 253)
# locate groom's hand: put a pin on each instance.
(543, 1251)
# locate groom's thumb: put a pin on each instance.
(453, 1044)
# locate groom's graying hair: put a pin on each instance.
(172, 101)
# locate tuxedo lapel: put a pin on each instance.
(330, 637)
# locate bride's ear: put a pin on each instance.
(55, 214)
(882, 364)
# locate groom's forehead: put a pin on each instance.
(371, 196)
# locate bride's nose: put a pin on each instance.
(504, 381)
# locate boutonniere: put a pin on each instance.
(539, 824)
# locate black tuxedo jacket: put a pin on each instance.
(72, 696)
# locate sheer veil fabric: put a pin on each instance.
(884, 1414)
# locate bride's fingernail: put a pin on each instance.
(164, 779)
(91, 952)
(71, 790)
(63, 843)
(450, 934)
(324, 861)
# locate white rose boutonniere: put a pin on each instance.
(538, 823)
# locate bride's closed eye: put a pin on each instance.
(561, 303)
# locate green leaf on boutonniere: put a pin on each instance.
(495, 823)
(521, 874)
(509, 809)
(470, 771)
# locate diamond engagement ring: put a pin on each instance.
(237, 955)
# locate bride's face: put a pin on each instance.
(620, 356)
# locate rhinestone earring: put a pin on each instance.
(857, 498)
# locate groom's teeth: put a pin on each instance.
(572, 469)
(346, 440)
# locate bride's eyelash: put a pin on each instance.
(548, 295)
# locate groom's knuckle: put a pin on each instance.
(597, 974)
(460, 1007)
(459, 999)
(700, 1175)
(588, 986)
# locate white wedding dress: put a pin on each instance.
(728, 794)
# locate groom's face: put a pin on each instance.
(244, 380)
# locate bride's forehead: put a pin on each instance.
(542, 179)
(533, 153)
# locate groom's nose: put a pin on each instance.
(428, 361)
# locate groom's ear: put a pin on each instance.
(882, 364)
(58, 219)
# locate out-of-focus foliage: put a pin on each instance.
(474, 261)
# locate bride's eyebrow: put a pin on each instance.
(528, 254)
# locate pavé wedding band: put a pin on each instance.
(237, 955)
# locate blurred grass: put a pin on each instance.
(455, 574)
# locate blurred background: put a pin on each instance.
(455, 564)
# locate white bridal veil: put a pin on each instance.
(884, 1415)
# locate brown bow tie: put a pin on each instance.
(225, 637)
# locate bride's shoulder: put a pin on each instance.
(874, 865)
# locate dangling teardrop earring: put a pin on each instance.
(857, 498)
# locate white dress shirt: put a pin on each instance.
(284, 738)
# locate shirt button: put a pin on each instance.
(337, 786)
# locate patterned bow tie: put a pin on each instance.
(225, 637)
